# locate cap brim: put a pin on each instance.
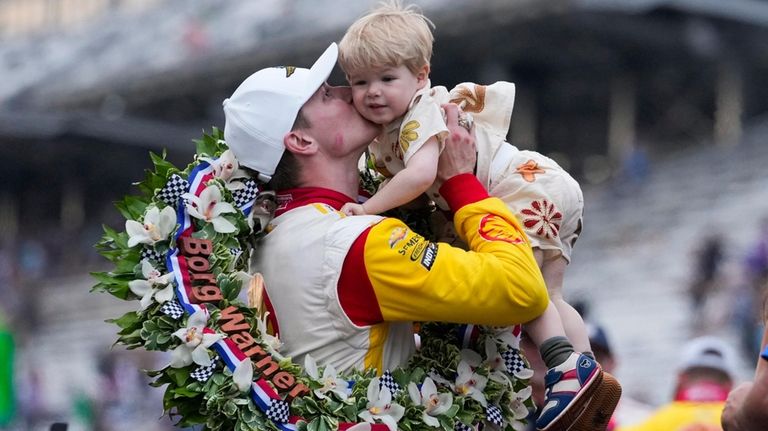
(321, 70)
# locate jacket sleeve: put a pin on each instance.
(394, 274)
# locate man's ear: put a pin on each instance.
(300, 142)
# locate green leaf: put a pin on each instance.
(132, 207)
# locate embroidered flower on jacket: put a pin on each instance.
(542, 218)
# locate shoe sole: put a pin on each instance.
(600, 408)
(569, 418)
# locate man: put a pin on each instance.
(704, 379)
(346, 289)
(746, 408)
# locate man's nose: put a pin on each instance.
(343, 93)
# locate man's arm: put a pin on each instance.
(746, 408)
(393, 274)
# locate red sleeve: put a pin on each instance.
(462, 190)
(356, 294)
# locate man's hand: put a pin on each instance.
(732, 417)
(460, 153)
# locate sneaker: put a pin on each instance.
(569, 390)
(601, 406)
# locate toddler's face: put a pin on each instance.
(382, 94)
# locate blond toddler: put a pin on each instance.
(386, 58)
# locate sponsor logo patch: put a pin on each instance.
(397, 235)
(430, 255)
(493, 229)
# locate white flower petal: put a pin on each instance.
(139, 287)
(200, 356)
(180, 357)
(167, 222)
(222, 208)
(210, 339)
(389, 421)
(373, 391)
(429, 420)
(222, 225)
(310, 366)
(198, 319)
(243, 375)
(136, 233)
(146, 268)
(413, 392)
(471, 357)
(428, 388)
(164, 295)
(146, 300)
(524, 374)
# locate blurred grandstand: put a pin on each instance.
(657, 106)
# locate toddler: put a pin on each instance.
(386, 58)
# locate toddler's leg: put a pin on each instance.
(553, 271)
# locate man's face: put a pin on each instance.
(335, 122)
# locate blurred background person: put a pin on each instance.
(7, 384)
(708, 259)
(705, 376)
(630, 411)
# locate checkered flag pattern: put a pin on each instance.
(246, 194)
(278, 411)
(203, 373)
(387, 381)
(174, 188)
(514, 361)
(459, 426)
(493, 414)
(173, 308)
(150, 253)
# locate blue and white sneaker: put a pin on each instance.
(569, 390)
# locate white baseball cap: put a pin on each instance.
(708, 352)
(264, 107)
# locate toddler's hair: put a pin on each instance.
(390, 35)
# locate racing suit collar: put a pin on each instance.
(293, 198)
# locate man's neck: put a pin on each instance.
(338, 175)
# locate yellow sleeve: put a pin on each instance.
(496, 283)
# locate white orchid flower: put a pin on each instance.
(330, 380)
(194, 342)
(505, 336)
(381, 407)
(271, 342)
(209, 207)
(243, 375)
(157, 226)
(228, 169)
(155, 285)
(518, 408)
(224, 166)
(434, 403)
(470, 383)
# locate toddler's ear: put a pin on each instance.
(422, 75)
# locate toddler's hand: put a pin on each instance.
(353, 209)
